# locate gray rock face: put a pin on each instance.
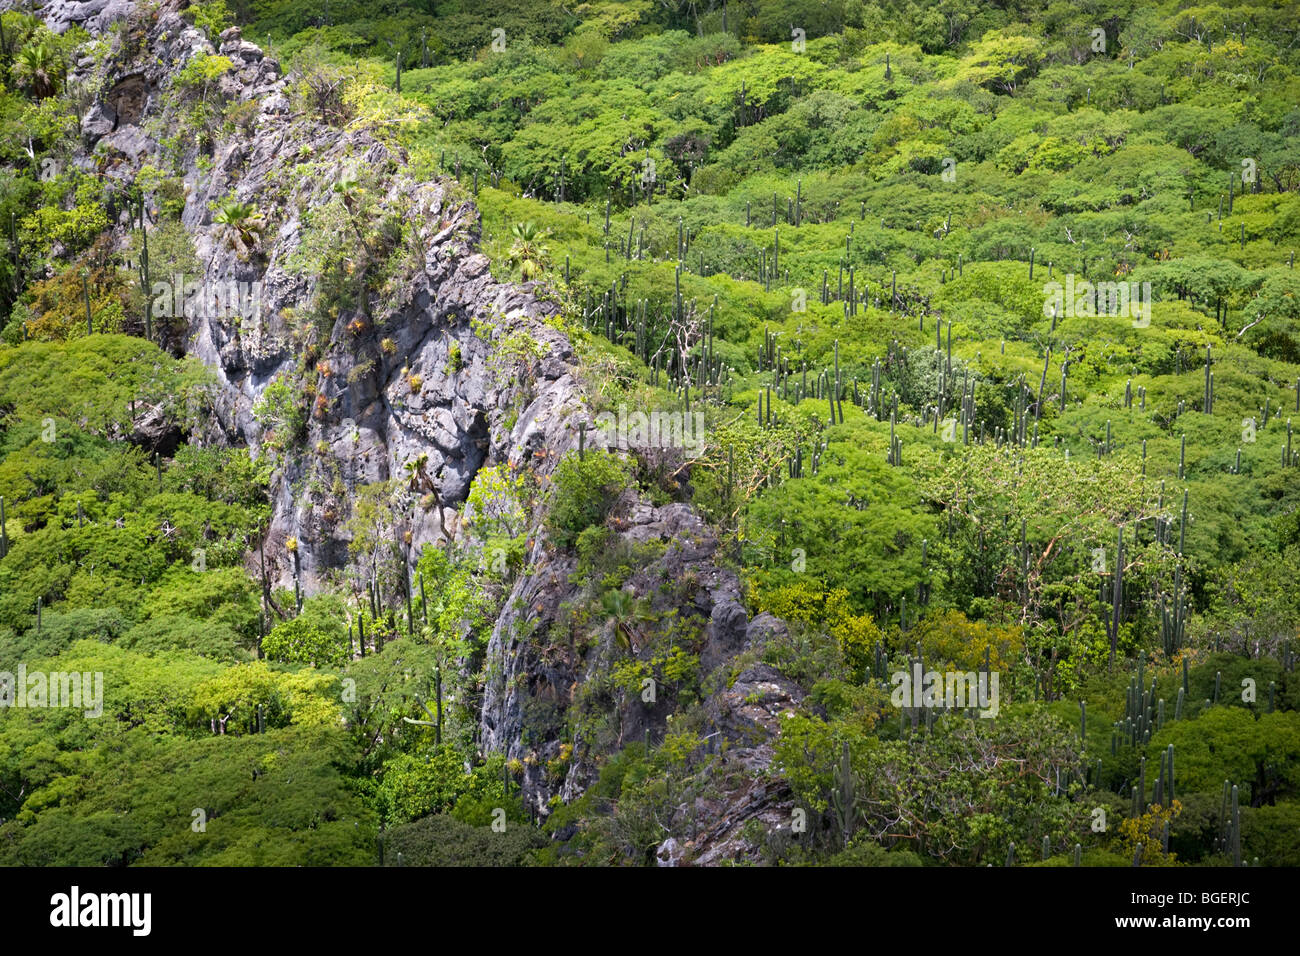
(405, 377)
(152, 431)
(96, 16)
(98, 121)
(670, 853)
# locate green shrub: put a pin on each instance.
(584, 491)
(873, 854)
(416, 786)
(60, 630)
(441, 840)
(180, 633)
(317, 636)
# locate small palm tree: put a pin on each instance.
(38, 67)
(346, 186)
(622, 609)
(242, 226)
(527, 251)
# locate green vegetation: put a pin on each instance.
(858, 240)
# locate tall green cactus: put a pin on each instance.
(1169, 769)
(843, 796)
(1235, 839)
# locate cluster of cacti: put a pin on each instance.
(1140, 711)
(1173, 618)
(879, 664)
(643, 330)
(875, 405)
(895, 456)
(1164, 790)
(796, 468)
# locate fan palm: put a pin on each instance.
(38, 67)
(622, 609)
(527, 251)
(242, 226)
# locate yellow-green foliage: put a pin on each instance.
(950, 637)
(305, 698)
(58, 304)
(812, 605)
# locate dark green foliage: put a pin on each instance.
(585, 489)
(441, 840)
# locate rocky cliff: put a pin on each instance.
(401, 370)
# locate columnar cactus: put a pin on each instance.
(1235, 838)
